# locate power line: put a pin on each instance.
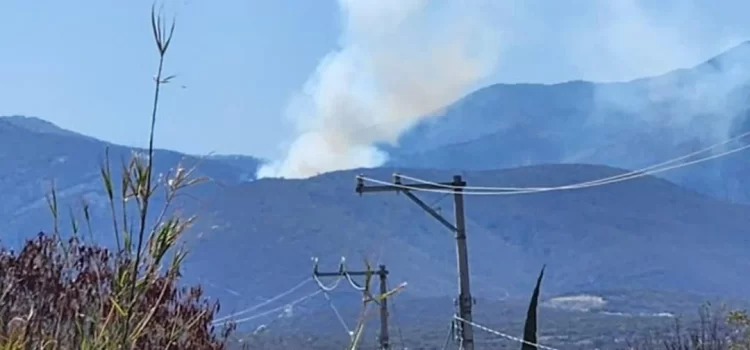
(258, 306)
(506, 336)
(325, 288)
(448, 337)
(338, 314)
(606, 179)
(291, 304)
(353, 283)
(433, 187)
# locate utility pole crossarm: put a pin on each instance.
(382, 273)
(399, 187)
(344, 273)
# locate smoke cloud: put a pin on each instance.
(399, 62)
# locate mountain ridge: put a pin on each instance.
(625, 124)
(649, 232)
(606, 237)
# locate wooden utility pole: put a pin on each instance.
(382, 273)
(465, 300)
(384, 339)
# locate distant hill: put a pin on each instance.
(40, 126)
(628, 124)
(647, 233)
(255, 238)
(36, 152)
(247, 164)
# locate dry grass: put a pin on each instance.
(715, 329)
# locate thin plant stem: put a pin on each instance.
(162, 44)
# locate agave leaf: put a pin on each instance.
(529, 329)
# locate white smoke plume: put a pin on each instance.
(399, 62)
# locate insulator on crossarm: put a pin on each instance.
(360, 184)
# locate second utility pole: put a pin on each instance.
(382, 273)
(465, 300)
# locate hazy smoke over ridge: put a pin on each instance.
(634, 39)
(400, 61)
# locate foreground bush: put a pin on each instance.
(63, 294)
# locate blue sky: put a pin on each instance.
(87, 65)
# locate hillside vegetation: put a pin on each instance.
(645, 232)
